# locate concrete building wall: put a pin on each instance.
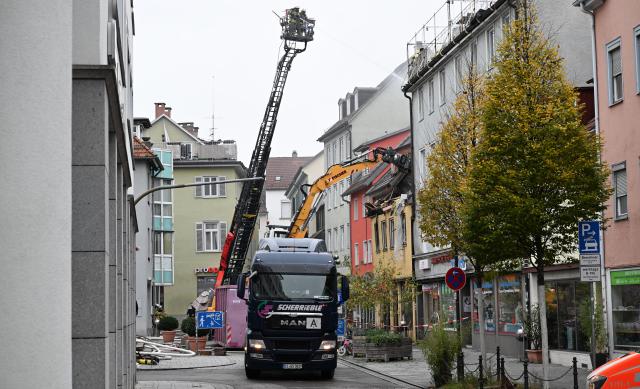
(619, 126)
(144, 250)
(274, 199)
(36, 46)
(189, 210)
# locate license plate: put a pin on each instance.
(292, 366)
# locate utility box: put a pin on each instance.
(234, 331)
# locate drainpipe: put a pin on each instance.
(596, 107)
(413, 180)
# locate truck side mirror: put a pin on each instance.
(242, 280)
(345, 288)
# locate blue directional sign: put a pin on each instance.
(209, 320)
(341, 327)
(340, 298)
(589, 237)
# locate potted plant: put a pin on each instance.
(534, 336)
(188, 326)
(167, 326)
(586, 317)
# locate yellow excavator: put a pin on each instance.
(336, 173)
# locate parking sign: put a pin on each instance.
(589, 237)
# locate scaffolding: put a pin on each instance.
(453, 18)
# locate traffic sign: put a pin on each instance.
(340, 329)
(209, 320)
(589, 259)
(589, 237)
(455, 278)
(590, 273)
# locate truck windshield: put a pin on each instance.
(277, 286)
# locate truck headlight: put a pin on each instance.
(327, 345)
(596, 381)
(257, 344)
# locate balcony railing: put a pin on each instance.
(450, 20)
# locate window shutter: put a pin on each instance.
(222, 189)
(621, 183)
(199, 237)
(198, 188)
(223, 234)
(616, 62)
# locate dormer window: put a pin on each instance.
(352, 103)
(278, 178)
(186, 150)
(342, 105)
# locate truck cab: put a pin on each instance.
(292, 296)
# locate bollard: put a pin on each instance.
(498, 361)
(460, 366)
(526, 374)
(502, 375)
(575, 373)
(480, 377)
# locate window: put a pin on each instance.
(403, 229)
(506, 22)
(342, 238)
(347, 146)
(163, 258)
(278, 178)
(365, 252)
(421, 104)
(625, 294)
(210, 236)
(211, 191)
(376, 235)
(364, 209)
(384, 235)
(185, 151)
(163, 208)
(614, 61)
(491, 48)
(342, 189)
(341, 149)
(335, 153)
(285, 209)
(431, 96)
(336, 239)
(204, 283)
(336, 197)
(347, 236)
(422, 167)
(443, 87)
(637, 39)
(459, 75)
(392, 232)
(356, 209)
(474, 53)
(620, 189)
(329, 239)
(356, 258)
(569, 308)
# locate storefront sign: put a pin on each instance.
(207, 270)
(589, 259)
(423, 264)
(441, 259)
(625, 277)
(590, 273)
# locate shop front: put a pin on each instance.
(436, 302)
(625, 309)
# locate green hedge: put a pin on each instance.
(383, 338)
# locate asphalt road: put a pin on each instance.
(233, 376)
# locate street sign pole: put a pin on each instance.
(590, 251)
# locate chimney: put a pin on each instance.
(167, 111)
(159, 109)
(294, 154)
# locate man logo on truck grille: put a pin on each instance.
(293, 323)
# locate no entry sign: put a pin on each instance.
(455, 278)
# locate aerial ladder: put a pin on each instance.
(313, 195)
(297, 31)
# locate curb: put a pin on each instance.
(183, 368)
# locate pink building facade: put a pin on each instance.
(617, 59)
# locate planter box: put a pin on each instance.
(383, 352)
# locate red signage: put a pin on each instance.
(441, 259)
(455, 278)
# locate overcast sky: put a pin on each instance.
(193, 54)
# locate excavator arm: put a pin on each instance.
(337, 173)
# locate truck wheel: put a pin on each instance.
(252, 373)
(328, 374)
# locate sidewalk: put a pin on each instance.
(179, 385)
(417, 372)
(197, 361)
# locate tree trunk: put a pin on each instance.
(542, 304)
(483, 349)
